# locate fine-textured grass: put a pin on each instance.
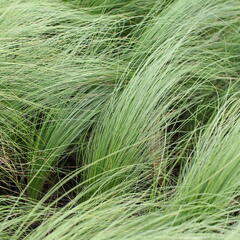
(119, 119)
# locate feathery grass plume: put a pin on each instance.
(59, 68)
(110, 217)
(119, 119)
(128, 216)
(209, 183)
(178, 69)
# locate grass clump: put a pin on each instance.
(119, 119)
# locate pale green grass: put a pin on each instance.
(119, 119)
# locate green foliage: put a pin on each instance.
(119, 119)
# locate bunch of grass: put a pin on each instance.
(119, 119)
